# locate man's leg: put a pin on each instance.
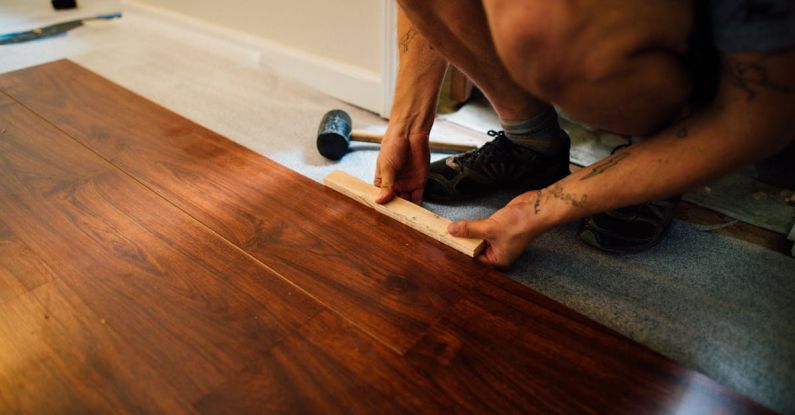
(613, 64)
(533, 150)
(458, 30)
(616, 65)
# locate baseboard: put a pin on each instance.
(357, 86)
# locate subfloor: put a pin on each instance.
(720, 305)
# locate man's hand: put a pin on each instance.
(507, 232)
(402, 167)
(404, 158)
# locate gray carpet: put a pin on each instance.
(718, 305)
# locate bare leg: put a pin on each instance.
(611, 63)
(458, 30)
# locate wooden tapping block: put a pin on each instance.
(403, 211)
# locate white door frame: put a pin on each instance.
(390, 65)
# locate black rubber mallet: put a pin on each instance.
(64, 4)
(335, 134)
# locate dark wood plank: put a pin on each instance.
(503, 350)
(59, 358)
(20, 270)
(508, 348)
(328, 367)
(193, 305)
(326, 244)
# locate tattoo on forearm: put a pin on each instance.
(751, 77)
(605, 164)
(537, 205)
(557, 192)
(406, 39)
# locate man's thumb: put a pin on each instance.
(387, 187)
(469, 229)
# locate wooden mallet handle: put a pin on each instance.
(373, 137)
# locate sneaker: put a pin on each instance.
(498, 164)
(631, 229)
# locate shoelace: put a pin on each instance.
(500, 146)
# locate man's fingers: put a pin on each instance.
(416, 196)
(480, 229)
(470, 229)
(385, 180)
(386, 194)
(488, 257)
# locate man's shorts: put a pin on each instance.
(727, 26)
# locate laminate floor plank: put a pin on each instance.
(495, 352)
(194, 306)
(553, 363)
(59, 358)
(328, 367)
(20, 270)
(391, 282)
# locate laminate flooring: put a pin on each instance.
(149, 265)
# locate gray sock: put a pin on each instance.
(540, 133)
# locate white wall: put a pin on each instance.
(341, 47)
(350, 31)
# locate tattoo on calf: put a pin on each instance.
(605, 164)
(406, 39)
(751, 77)
(558, 193)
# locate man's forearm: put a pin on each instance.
(419, 80)
(748, 120)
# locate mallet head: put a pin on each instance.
(334, 134)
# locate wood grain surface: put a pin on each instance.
(20, 269)
(292, 224)
(148, 265)
(194, 305)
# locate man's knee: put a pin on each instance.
(535, 42)
(568, 56)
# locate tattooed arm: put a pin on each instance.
(752, 117)
(402, 166)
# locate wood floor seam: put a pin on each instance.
(207, 227)
(165, 151)
(26, 192)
